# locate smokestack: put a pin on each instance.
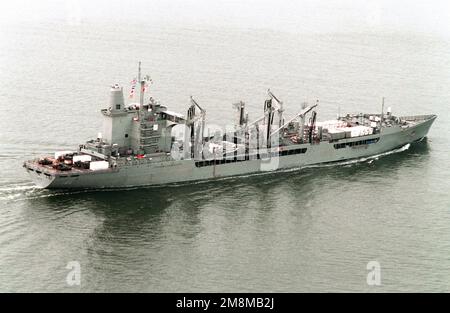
(116, 100)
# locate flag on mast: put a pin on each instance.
(147, 80)
(133, 87)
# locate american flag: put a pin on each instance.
(133, 87)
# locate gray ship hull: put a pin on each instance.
(169, 171)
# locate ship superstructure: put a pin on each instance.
(137, 147)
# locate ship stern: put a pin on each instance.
(40, 178)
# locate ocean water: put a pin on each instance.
(312, 229)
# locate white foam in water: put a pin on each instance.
(16, 188)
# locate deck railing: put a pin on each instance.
(416, 117)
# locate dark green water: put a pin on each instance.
(309, 230)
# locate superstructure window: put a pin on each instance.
(356, 143)
(117, 106)
(292, 151)
(241, 158)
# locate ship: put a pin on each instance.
(137, 145)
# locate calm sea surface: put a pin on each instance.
(309, 230)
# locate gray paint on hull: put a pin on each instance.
(185, 170)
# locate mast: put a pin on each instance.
(268, 112)
(139, 71)
(382, 113)
(141, 97)
(190, 131)
(202, 116)
(280, 107)
(257, 140)
(142, 82)
(247, 139)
